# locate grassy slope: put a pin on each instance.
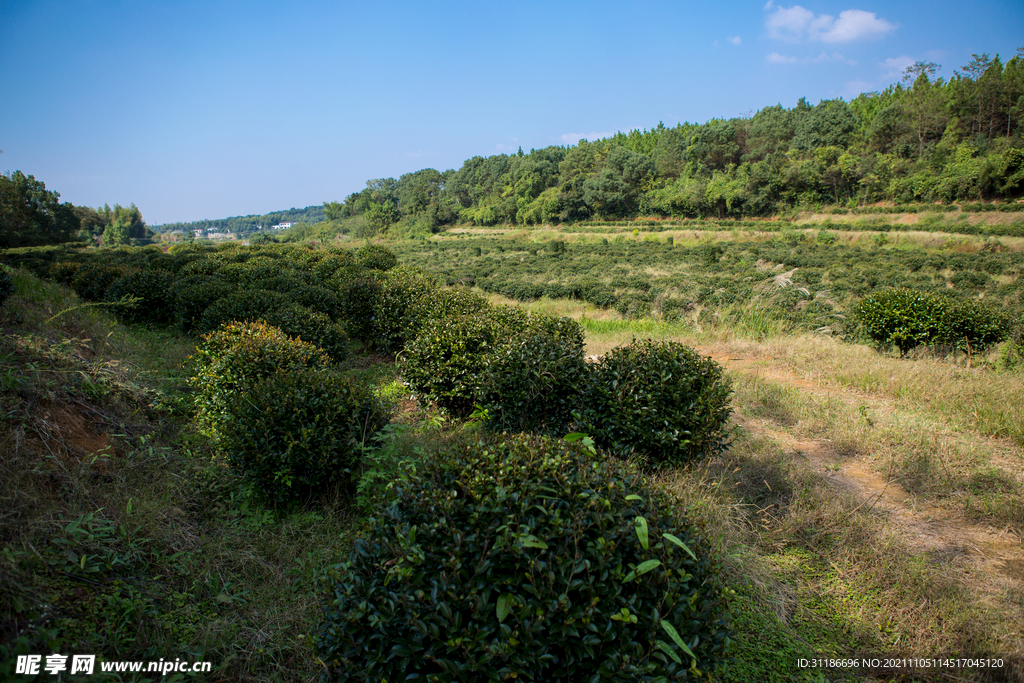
(817, 571)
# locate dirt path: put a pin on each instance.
(941, 533)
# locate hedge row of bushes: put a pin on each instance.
(281, 412)
(905, 319)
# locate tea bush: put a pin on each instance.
(358, 301)
(534, 381)
(901, 317)
(92, 280)
(399, 310)
(278, 310)
(525, 558)
(300, 433)
(193, 295)
(235, 357)
(154, 288)
(905, 318)
(376, 257)
(446, 360)
(661, 401)
(972, 327)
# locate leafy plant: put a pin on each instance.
(446, 361)
(233, 359)
(901, 317)
(534, 381)
(300, 433)
(153, 288)
(525, 558)
(659, 400)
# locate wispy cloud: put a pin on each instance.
(895, 66)
(514, 147)
(735, 40)
(776, 58)
(796, 24)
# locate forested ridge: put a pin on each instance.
(924, 139)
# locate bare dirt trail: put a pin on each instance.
(940, 533)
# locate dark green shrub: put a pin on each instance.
(445, 362)
(376, 257)
(534, 381)
(317, 298)
(92, 280)
(313, 327)
(278, 310)
(901, 317)
(63, 272)
(6, 285)
(325, 268)
(358, 300)
(530, 559)
(193, 295)
(399, 313)
(243, 305)
(153, 288)
(234, 358)
(300, 433)
(972, 327)
(660, 400)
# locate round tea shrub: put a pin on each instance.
(531, 559)
(901, 317)
(193, 295)
(235, 357)
(300, 433)
(63, 272)
(972, 327)
(376, 257)
(251, 304)
(153, 287)
(311, 326)
(535, 381)
(400, 307)
(659, 400)
(445, 362)
(358, 299)
(92, 280)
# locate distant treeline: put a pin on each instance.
(244, 225)
(922, 140)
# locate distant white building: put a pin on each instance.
(282, 226)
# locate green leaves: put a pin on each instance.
(679, 543)
(641, 532)
(674, 635)
(523, 538)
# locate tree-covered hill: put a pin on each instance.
(922, 140)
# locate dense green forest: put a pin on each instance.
(922, 140)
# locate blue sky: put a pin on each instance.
(212, 109)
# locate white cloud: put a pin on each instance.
(855, 24)
(776, 58)
(735, 40)
(796, 24)
(573, 138)
(895, 66)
